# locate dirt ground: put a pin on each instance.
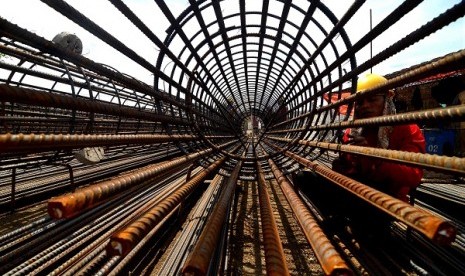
(246, 249)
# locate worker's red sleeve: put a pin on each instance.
(401, 178)
(346, 164)
(394, 178)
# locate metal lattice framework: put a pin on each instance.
(239, 63)
(220, 65)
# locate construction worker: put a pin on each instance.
(340, 207)
(392, 178)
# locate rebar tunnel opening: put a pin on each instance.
(203, 138)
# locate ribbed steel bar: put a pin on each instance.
(445, 114)
(89, 25)
(46, 180)
(433, 227)
(44, 142)
(60, 79)
(450, 62)
(274, 253)
(97, 228)
(42, 98)
(330, 260)
(450, 113)
(124, 240)
(14, 32)
(200, 257)
(453, 61)
(454, 165)
(182, 34)
(79, 18)
(67, 206)
(180, 248)
(120, 215)
(338, 29)
(93, 86)
(164, 193)
(125, 260)
(44, 60)
(437, 23)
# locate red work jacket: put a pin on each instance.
(394, 179)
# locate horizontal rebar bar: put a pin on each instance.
(433, 227)
(124, 240)
(450, 62)
(44, 142)
(330, 260)
(442, 114)
(274, 254)
(36, 97)
(200, 257)
(70, 205)
(430, 161)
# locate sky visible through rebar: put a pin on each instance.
(46, 22)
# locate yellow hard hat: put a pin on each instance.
(369, 81)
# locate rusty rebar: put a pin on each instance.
(433, 227)
(432, 68)
(430, 161)
(42, 98)
(450, 113)
(200, 257)
(70, 205)
(44, 142)
(274, 253)
(124, 240)
(331, 262)
(452, 61)
(17, 33)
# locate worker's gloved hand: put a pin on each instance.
(356, 139)
(344, 166)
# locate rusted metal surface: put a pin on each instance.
(249, 61)
(17, 33)
(67, 206)
(124, 240)
(451, 62)
(274, 254)
(36, 97)
(432, 226)
(450, 113)
(42, 142)
(330, 260)
(79, 83)
(431, 161)
(132, 255)
(200, 257)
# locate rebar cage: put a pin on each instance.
(227, 74)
